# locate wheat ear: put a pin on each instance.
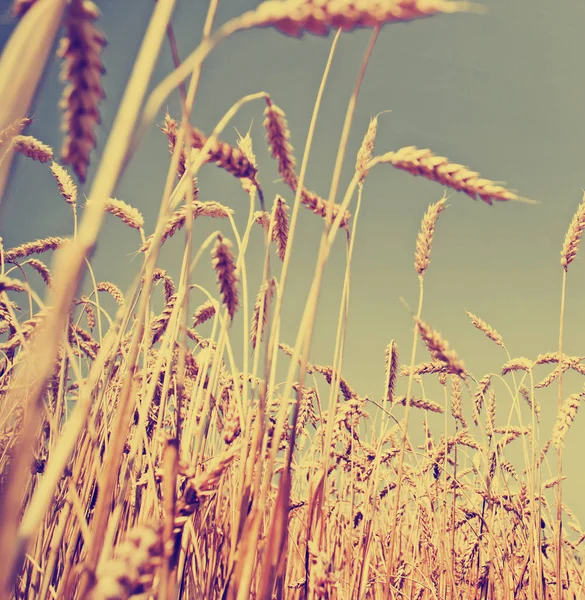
(225, 267)
(574, 235)
(33, 148)
(424, 241)
(82, 67)
(294, 18)
(455, 176)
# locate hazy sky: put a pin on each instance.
(501, 93)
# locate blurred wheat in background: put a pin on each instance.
(161, 439)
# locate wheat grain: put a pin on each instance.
(517, 364)
(8, 284)
(439, 348)
(126, 213)
(132, 568)
(203, 313)
(565, 418)
(224, 265)
(33, 148)
(424, 241)
(490, 332)
(278, 135)
(280, 229)
(176, 221)
(294, 17)
(82, 67)
(12, 130)
(113, 290)
(36, 247)
(262, 303)
(421, 403)
(66, 185)
(364, 154)
(574, 235)
(439, 169)
(391, 369)
(457, 401)
(41, 268)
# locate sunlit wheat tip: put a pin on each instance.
(364, 154)
(457, 177)
(66, 185)
(391, 369)
(41, 268)
(424, 240)
(12, 130)
(517, 364)
(203, 313)
(113, 290)
(82, 68)
(422, 403)
(126, 213)
(262, 303)
(565, 418)
(574, 235)
(280, 229)
(8, 284)
(36, 247)
(176, 221)
(224, 265)
(277, 135)
(490, 332)
(33, 148)
(294, 18)
(439, 348)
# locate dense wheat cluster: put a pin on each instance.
(143, 454)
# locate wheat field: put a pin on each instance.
(189, 430)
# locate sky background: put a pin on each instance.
(501, 93)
